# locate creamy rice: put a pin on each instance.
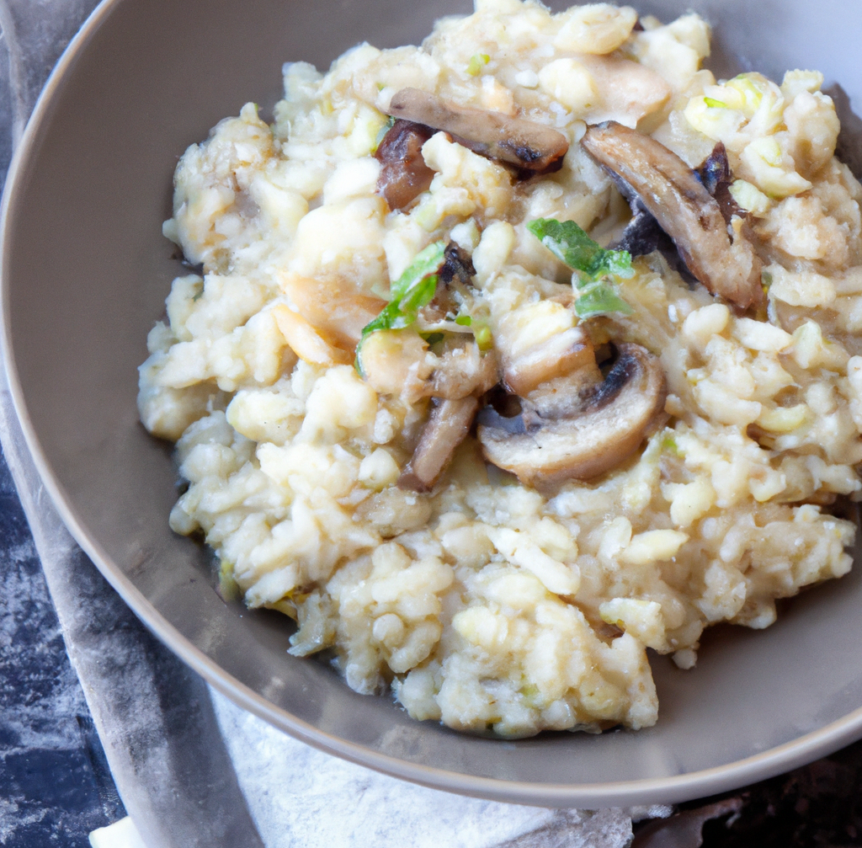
(515, 596)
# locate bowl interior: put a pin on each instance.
(85, 274)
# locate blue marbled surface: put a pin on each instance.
(55, 785)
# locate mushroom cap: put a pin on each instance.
(685, 210)
(604, 425)
(403, 173)
(526, 144)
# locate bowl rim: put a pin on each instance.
(673, 789)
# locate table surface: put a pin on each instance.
(55, 783)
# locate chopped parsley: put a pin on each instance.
(477, 62)
(593, 265)
(480, 328)
(569, 243)
(414, 289)
(600, 299)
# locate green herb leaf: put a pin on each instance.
(477, 62)
(425, 263)
(668, 443)
(714, 104)
(414, 289)
(600, 299)
(569, 243)
(481, 331)
(483, 336)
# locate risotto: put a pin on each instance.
(503, 359)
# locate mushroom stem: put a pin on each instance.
(685, 210)
(531, 146)
(446, 428)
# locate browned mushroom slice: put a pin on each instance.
(531, 146)
(559, 355)
(643, 235)
(455, 277)
(684, 209)
(447, 427)
(404, 174)
(591, 432)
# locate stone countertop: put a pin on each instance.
(56, 784)
(192, 768)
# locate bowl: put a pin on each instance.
(85, 272)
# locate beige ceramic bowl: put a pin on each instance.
(85, 273)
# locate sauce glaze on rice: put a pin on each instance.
(488, 602)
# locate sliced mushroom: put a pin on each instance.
(715, 169)
(462, 370)
(676, 198)
(714, 173)
(558, 356)
(399, 362)
(333, 306)
(526, 144)
(447, 427)
(576, 431)
(643, 235)
(404, 174)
